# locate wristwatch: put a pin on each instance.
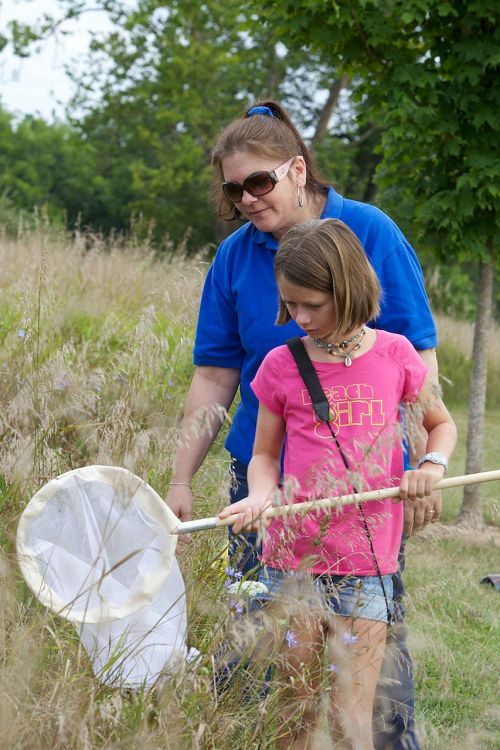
(434, 458)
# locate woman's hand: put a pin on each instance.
(419, 483)
(179, 499)
(249, 511)
(419, 513)
(422, 503)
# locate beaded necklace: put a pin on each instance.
(337, 350)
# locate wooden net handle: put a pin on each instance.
(205, 524)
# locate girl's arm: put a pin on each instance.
(441, 438)
(264, 472)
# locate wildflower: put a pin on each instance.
(348, 638)
(21, 333)
(290, 638)
(238, 608)
(333, 668)
(246, 588)
(232, 573)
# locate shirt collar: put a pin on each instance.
(265, 238)
(333, 205)
(332, 210)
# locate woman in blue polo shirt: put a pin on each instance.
(265, 175)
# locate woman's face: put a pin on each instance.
(274, 212)
(312, 309)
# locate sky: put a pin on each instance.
(38, 84)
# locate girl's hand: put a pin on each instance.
(249, 512)
(417, 484)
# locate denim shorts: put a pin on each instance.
(349, 596)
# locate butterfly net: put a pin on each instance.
(94, 545)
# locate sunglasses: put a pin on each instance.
(256, 184)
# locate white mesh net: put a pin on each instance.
(94, 545)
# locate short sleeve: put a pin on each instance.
(265, 385)
(218, 342)
(405, 306)
(414, 368)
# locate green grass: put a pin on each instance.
(454, 620)
(455, 638)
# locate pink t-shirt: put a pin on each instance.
(365, 406)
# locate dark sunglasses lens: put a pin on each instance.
(233, 191)
(259, 183)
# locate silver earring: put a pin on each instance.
(300, 196)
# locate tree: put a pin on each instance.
(45, 165)
(158, 89)
(179, 72)
(429, 74)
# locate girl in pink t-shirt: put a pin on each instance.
(344, 559)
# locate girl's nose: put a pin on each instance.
(302, 318)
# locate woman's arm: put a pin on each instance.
(210, 395)
(264, 472)
(441, 438)
(417, 514)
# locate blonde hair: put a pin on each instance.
(275, 137)
(324, 254)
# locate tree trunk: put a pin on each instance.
(328, 110)
(471, 515)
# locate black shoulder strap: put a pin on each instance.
(310, 378)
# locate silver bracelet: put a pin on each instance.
(183, 484)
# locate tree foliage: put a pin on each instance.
(47, 166)
(179, 72)
(429, 73)
(158, 89)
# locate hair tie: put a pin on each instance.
(259, 111)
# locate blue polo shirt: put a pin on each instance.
(239, 304)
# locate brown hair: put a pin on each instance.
(262, 135)
(326, 255)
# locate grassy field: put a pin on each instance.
(95, 360)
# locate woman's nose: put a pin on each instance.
(247, 198)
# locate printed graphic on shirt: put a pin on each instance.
(353, 405)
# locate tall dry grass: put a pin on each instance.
(96, 344)
(95, 360)
(94, 366)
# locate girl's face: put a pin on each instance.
(311, 309)
(274, 212)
